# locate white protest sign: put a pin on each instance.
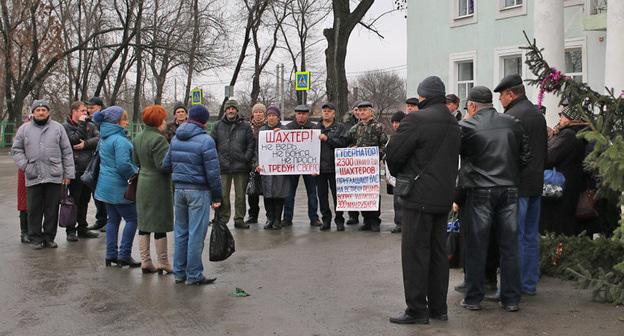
(289, 152)
(357, 178)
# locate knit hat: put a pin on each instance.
(274, 110)
(199, 113)
(39, 103)
(111, 114)
(179, 105)
(431, 86)
(259, 106)
(397, 116)
(231, 103)
(571, 113)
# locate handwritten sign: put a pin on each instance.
(292, 152)
(357, 178)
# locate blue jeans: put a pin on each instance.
(528, 242)
(115, 213)
(192, 216)
(310, 185)
(490, 209)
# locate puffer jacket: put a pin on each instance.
(494, 149)
(87, 132)
(43, 153)
(336, 138)
(427, 145)
(235, 145)
(192, 159)
(116, 164)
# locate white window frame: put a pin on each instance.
(454, 60)
(569, 3)
(503, 12)
(499, 54)
(575, 43)
(456, 20)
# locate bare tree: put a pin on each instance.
(384, 89)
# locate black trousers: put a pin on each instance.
(43, 207)
(425, 262)
(274, 208)
(81, 195)
(254, 205)
(326, 182)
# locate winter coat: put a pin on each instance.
(429, 140)
(154, 198)
(171, 129)
(566, 153)
(534, 125)
(336, 138)
(116, 164)
(22, 204)
(43, 153)
(235, 145)
(192, 159)
(275, 186)
(87, 132)
(494, 149)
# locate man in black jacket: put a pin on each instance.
(236, 148)
(424, 153)
(516, 104)
(332, 137)
(84, 137)
(302, 121)
(96, 104)
(493, 151)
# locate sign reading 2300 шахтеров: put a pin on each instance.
(291, 152)
(357, 178)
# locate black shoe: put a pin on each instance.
(203, 281)
(461, 287)
(326, 226)
(241, 225)
(365, 228)
(72, 236)
(287, 222)
(339, 221)
(315, 222)
(24, 238)
(353, 221)
(375, 228)
(97, 226)
(252, 220)
(407, 319)
(340, 226)
(39, 246)
(510, 308)
(439, 317)
(397, 229)
(470, 306)
(88, 234)
(269, 225)
(128, 262)
(110, 262)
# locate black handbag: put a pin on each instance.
(254, 184)
(222, 243)
(92, 172)
(133, 182)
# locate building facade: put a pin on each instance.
(477, 42)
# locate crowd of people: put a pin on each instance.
(486, 165)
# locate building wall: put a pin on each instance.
(433, 40)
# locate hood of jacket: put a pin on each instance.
(188, 130)
(107, 129)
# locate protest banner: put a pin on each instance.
(289, 152)
(357, 178)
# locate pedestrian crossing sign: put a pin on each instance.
(197, 96)
(302, 82)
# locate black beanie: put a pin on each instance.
(397, 116)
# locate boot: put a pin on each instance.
(144, 249)
(24, 227)
(326, 224)
(163, 257)
(270, 216)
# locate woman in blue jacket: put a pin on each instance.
(194, 163)
(116, 167)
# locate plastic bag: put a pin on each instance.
(221, 242)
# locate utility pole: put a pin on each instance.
(175, 89)
(277, 83)
(282, 90)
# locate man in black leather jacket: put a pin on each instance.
(83, 136)
(494, 150)
(426, 145)
(235, 144)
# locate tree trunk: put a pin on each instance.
(191, 64)
(136, 108)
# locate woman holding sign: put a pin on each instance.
(275, 188)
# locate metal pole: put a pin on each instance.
(282, 90)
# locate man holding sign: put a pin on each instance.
(366, 133)
(302, 122)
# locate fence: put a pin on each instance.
(6, 136)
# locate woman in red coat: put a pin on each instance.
(21, 206)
